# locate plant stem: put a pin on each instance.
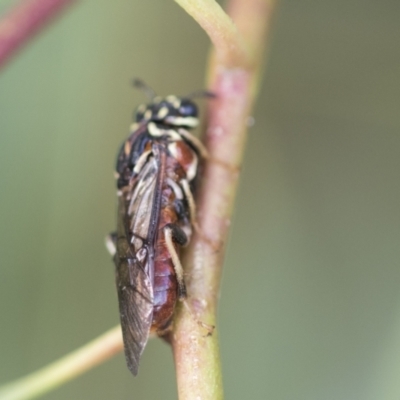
(23, 21)
(65, 369)
(233, 73)
(220, 28)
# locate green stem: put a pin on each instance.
(65, 369)
(233, 75)
(220, 28)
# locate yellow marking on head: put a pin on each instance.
(171, 98)
(175, 101)
(191, 122)
(147, 114)
(141, 108)
(163, 112)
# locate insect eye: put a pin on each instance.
(188, 109)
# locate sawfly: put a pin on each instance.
(157, 171)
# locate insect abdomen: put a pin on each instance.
(165, 283)
(165, 287)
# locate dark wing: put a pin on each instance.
(134, 260)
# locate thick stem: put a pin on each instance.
(196, 354)
(23, 21)
(65, 369)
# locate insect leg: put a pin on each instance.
(191, 203)
(178, 234)
(197, 144)
(176, 188)
(174, 233)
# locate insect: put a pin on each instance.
(157, 171)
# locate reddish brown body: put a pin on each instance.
(165, 283)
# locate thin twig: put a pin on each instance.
(233, 75)
(223, 33)
(23, 21)
(65, 369)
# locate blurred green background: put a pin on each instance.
(310, 302)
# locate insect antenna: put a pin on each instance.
(146, 89)
(201, 93)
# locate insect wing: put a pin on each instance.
(134, 261)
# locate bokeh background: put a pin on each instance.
(310, 301)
